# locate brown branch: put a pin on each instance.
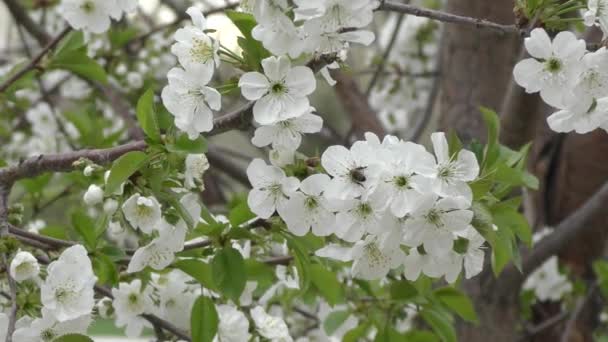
(34, 63)
(47, 240)
(575, 224)
(12, 319)
(21, 16)
(449, 18)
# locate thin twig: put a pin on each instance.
(21, 16)
(449, 17)
(34, 62)
(387, 52)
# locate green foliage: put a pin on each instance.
(253, 50)
(457, 302)
(199, 270)
(552, 14)
(334, 320)
(229, 274)
(72, 56)
(85, 227)
(327, 284)
(146, 116)
(496, 210)
(183, 144)
(123, 168)
(204, 320)
(73, 338)
(440, 322)
(301, 258)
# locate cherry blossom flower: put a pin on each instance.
(67, 292)
(191, 101)
(24, 266)
(271, 188)
(554, 65)
(233, 326)
(142, 213)
(130, 301)
(195, 50)
(287, 134)
(281, 92)
(309, 209)
(270, 327)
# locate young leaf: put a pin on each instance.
(147, 116)
(79, 63)
(440, 324)
(229, 273)
(85, 227)
(334, 320)
(183, 144)
(492, 148)
(457, 302)
(123, 168)
(199, 270)
(240, 214)
(326, 283)
(204, 320)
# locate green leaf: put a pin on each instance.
(327, 284)
(253, 50)
(493, 124)
(457, 302)
(240, 214)
(79, 63)
(334, 320)
(147, 116)
(199, 270)
(73, 41)
(507, 217)
(204, 320)
(105, 270)
(123, 168)
(402, 290)
(440, 324)
(302, 260)
(356, 334)
(85, 227)
(229, 273)
(73, 338)
(183, 144)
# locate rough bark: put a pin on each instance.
(476, 66)
(476, 71)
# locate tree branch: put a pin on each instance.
(12, 319)
(575, 224)
(21, 16)
(449, 18)
(33, 64)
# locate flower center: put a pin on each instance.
(133, 298)
(311, 203)
(364, 209)
(402, 181)
(434, 217)
(279, 88)
(374, 254)
(143, 210)
(88, 6)
(553, 65)
(24, 268)
(47, 335)
(445, 171)
(201, 51)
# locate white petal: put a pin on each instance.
(253, 85)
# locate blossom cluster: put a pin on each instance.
(569, 78)
(188, 96)
(94, 15)
(66, 295)
(380, 196)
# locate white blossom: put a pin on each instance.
(48, 328)
(67, 292)
(581, 115)
(142, 213)
(130, 301)
(547, 282)
(89, 15)
(287, 134)
(196, 165)
(191, 101)
(93, 195)
(159, 253)
(554, 65)
(270, 327)
(271, 188)
(281, 92)
(195, 50)
(24, 266)
(309, 209)
(233, 326)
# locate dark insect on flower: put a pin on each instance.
(357, 174)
